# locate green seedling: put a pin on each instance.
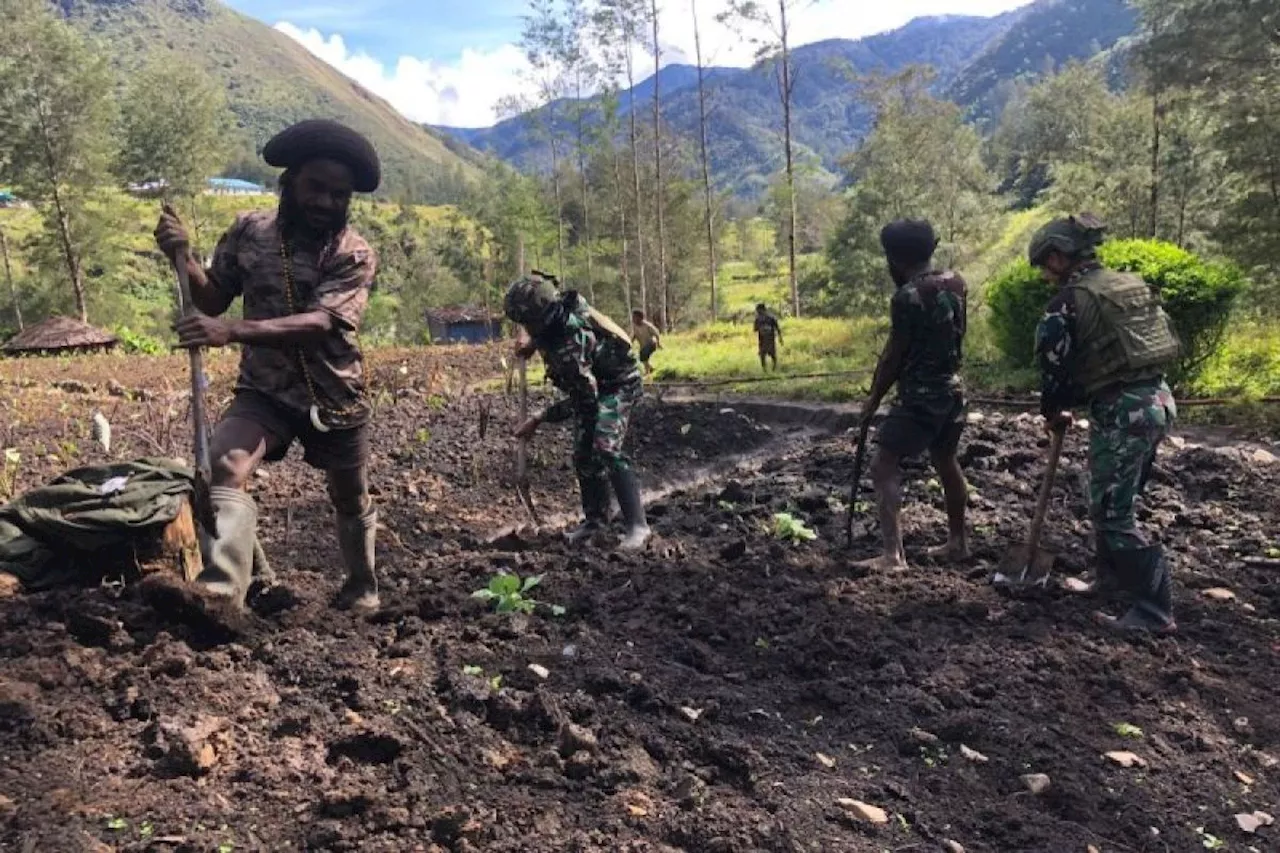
(495, 683)
(422, 436)
(1273, 553)
(1128, 730)
(507, 592)
(472, 669)
(762, 643)
(727, 506)
(117, 824)
(146, 830)
(1209, 841)
(558, 610)
(791, 529)
(226, 847)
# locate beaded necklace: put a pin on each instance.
(286, 258)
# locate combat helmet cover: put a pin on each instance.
(528, 297)
(1077, 237)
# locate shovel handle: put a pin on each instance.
(1046, 488)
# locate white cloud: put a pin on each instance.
(467, 91)
(463, 93)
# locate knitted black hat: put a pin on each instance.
(321, 138)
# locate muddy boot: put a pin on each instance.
(595, 509)
(356, 534)
(228, 567)
(626, 486)
(1144, 574)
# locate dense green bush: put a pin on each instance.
(1198, 295)
(139, 343)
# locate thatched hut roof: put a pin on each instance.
(58, 334)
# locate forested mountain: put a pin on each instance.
(976, 61)
(271, 80)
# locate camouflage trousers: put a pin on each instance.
(1125, 431)
(597, 443)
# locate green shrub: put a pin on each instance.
(1198, 295)
(137, 343)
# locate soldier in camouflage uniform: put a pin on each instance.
(922, 357)
(588, 357)
(1105, 343)
(305, 277)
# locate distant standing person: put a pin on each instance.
(305, 276)
(923, 356)
(1106, 342)
(647, 335)
(768, 335)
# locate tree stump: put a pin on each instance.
(173, 549)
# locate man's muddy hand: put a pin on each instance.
(197, 330)
(171, 234)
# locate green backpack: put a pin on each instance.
(1123, 331)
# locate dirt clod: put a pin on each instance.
(1036, 783)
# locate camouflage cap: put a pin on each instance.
(1077, 237)
(527, 299)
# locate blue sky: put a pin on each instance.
(453, 61)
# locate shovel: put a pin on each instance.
(202, 503)
(1027, 565)
(859, 462)
(522, 450)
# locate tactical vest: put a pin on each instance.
(1123, 333)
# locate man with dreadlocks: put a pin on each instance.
(588, 357)
(1105, 342)
(305, 277)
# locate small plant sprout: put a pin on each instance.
(507, 592)
(422, 436)
(117, 824)
(727, 506)
(788, 528)
(1128, 730)
(472, 669)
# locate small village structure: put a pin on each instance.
(463, 326)
(59, 336)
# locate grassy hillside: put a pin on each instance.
(271, 81)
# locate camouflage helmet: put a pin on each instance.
(1076, 237)
(528, 297)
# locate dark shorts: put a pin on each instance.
(769, 348)
(647, 351)
(338, 450)
(912, 428)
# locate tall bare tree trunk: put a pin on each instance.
(555, 185)
(635, 175)
(663, 289)
(706, 164)
(1157, 114)
(586, 189)
(69, 253)
(624, 263)
(791, 178)
(8, 275)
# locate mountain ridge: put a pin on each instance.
(974, 57)
(272, 81)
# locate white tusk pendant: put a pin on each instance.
(315, 420)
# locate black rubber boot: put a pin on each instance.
(626, 486)
(595, 509)
(1144, 573)
(356, 536)
(228, 567)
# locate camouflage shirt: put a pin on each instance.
(930, 312)
(585, 365)
(1056, 347)
(335, 277)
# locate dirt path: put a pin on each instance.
(721, 693)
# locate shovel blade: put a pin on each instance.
(1022, 568)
